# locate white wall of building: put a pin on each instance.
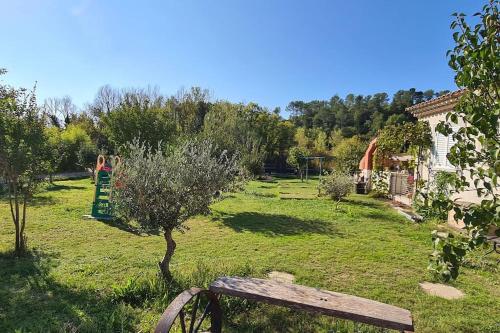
(437, 160)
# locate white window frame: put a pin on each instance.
(442, 146)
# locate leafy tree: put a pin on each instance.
(60, 111)
(418, 139)
(136, 118)
(189, 109)
(477, 148)
(161, 189)
(297, 159)
(302, 139)
(390, 141)
(347, 154)
(106, 100)
(413, 138)
(284, 140)
(320, 143)
(335, 138)
(23, 153)
(258, 134)
(395, 119)
(55, 150)
(87, 157)
(73, 138)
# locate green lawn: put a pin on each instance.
(83, 275)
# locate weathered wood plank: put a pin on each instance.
(316, 300)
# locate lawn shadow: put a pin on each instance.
(58, 187)
(381, 216)
(31, 300)
(297, 198)
(124, 226)
(35, 201)
(276, 225)
(38, 201)
(372, 204)
(260, 194)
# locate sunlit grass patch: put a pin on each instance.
(89, 276)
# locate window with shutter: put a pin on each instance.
(442, 147)
(451, 142)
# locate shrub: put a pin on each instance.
(380, 184)
(433, 204)
(337, 185)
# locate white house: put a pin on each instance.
(433, 112)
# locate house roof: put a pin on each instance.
(443, 103)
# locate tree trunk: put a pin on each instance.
(22, 238)
(417, 173)
(165, 263)
(301, 175)
(18, 249)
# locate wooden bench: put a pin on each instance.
(272, 292)
(316, 301)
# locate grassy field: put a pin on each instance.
(87, 276)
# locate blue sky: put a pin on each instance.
(266, 51)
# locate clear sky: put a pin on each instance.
(266, 51)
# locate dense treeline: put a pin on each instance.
(357, 114)
(262, 137)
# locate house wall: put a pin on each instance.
(430, 166)
(433, 112)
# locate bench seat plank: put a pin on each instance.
(316, 300)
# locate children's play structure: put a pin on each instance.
(101, 207)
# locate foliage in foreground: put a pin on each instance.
(429, 203)
(23, 153)
(475, 61)
(161, 189)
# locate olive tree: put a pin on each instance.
(23, 152)
(162, 188)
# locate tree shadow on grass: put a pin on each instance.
(38, 201)
(367, 203)
(276, 225)
(59, 187)
(297, 198)
(124, 226)
(32, 300)
(35, 201)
